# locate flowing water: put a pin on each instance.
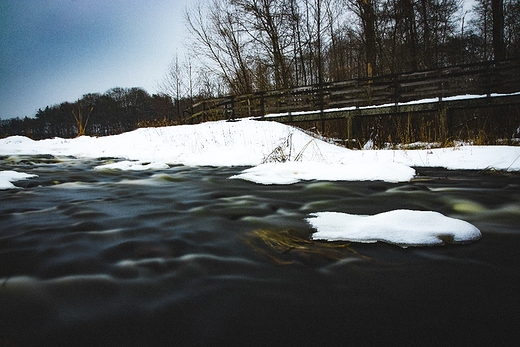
(187, 257)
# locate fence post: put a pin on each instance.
(397, 93)
(349, 130)
(322, 102)
(262, 103)
(192, 111)
(488, 79)
(232, 113)
(443, 126)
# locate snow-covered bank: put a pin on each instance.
(244, 143)
(280, 154)
(251, 143)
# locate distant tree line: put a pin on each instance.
(244, 46)
(116, 111)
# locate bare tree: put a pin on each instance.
(366, 15)
(268, 24)
(173, 83)
(512, 28)
(368, 19)
(262, 44)
(481, 28)
(218, 37)
(499, 47)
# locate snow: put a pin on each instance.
(284, 153)
(292, 172)
(400, 227)
(277, 153)
(6, 177)
(243, 143)
(280, 154)
(128, 165)
(462, 157)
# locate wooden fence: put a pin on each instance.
(480, 79)
(381, 110)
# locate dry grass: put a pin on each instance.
(286, 247)
(478, 126)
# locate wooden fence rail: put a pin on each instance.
(479, 79)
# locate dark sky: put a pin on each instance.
(57, 50)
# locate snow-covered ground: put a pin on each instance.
(276, 154)
(252, 143)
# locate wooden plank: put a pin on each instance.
(483, 78)
(397, 109)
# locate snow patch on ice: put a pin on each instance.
(6, 177)
(400, 227)
(128, 165)
(292, 172)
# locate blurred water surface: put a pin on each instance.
(187, 257)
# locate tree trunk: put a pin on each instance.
(368, 20)
(499, 47)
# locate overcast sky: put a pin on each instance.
(57, 50)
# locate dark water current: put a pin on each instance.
(188, 257)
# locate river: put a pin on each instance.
(187, 257)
